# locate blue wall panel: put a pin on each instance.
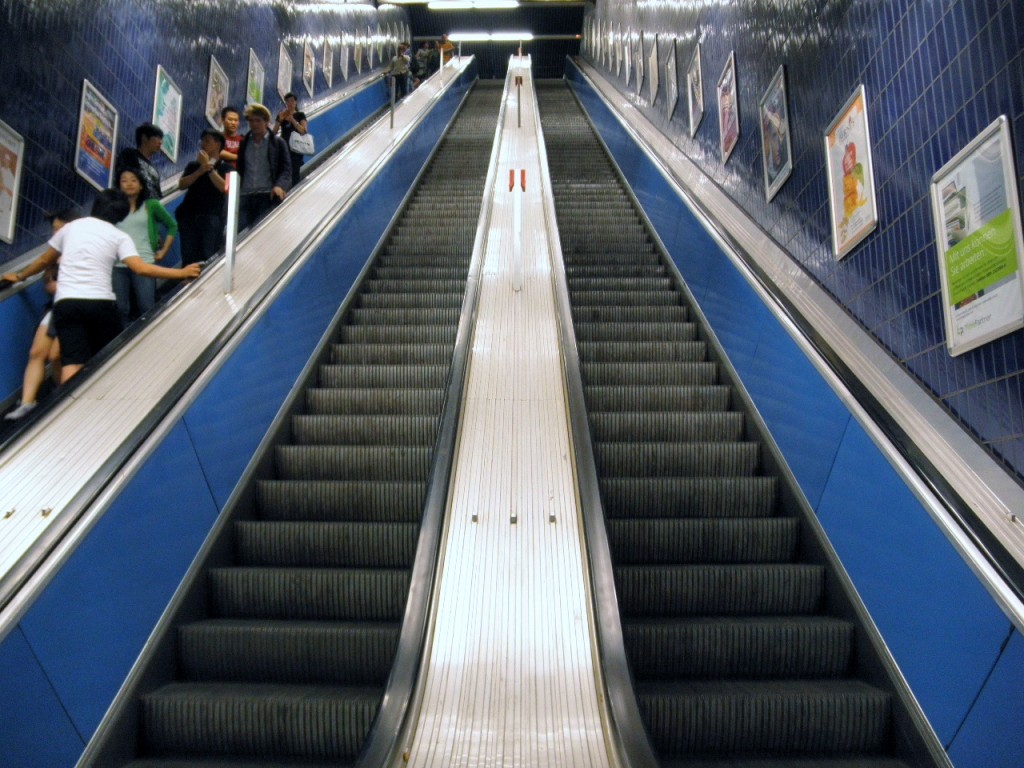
(36, 729)
(88, 625)
(990, 738)
(944, 630)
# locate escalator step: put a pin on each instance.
(647, 374)
(628, 296)
(324, 653)
(391, 354)
(341, 376)
(659, 398)
(321, 594)
(677, 459)
(397, 334)
(719, 590)
(644, 351)
(352, 462)
(406, 315)
(328, 545)
(753, 717)
(660, 497)
(798, 647)
(614, 427)
(636, 331)
(341, 500)
(374, 401)
(278, 721)
(326, 429)
(695, 540)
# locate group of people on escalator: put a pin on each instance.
(102, 269)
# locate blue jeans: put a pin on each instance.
(131, 288)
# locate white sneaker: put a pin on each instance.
(23, 409)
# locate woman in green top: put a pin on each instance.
(143, 225)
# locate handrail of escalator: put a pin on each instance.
(383, 743)
(628, 732)
(19, 584)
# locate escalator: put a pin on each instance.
(744, 643)
(284, 655)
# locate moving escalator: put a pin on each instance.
(745, 642)
(282, 649)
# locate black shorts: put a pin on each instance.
(84, 327)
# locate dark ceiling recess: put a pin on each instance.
(548, 56)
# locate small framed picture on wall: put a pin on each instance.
(671, 80)
(728, 108)
(284, 72)
(216, 92)
(254, 82)
(308, 67)
(97, 134)
(328, 65)
(776, 148)
(695, 91)
(851, 176)
(12, 159)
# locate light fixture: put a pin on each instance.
(511, 37)
(489, 37)
(476, 5)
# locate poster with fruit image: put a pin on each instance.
(851, 177)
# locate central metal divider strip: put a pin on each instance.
(286, 657)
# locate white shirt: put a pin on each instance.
(89, 248)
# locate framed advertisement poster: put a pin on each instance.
(639, 63)
(12, 158)
(284, 72)
(671, 80)
(851, 177)
(328, 65)
(617, 49)
(979, 239)
(167, 112)
(97, 132)
(370, 47)
(358, 54)
(308, 67)
(627, 53)
(654, 78)
(254, 82)
(695, 91)
(343, 57)
(216, 93)
(776, 147)
(728, 108)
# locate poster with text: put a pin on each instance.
(12, 158)
(328, 64)
(254, 82)
(97, 131)
(851, 177)
(695, 91)
(978, 234)
(308, 67)
(776, 148)
(216, 93)
(167, 112)
(284, 72)
(728, 108)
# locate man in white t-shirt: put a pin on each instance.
(85, 311)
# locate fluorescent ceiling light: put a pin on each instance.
(511, 36)
(485, 37)
(464, 5)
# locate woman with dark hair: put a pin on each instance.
(85, 311)
(289, 121)
(145, 218)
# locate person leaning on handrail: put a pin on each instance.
(85, 311)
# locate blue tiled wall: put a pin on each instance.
(936, 73)
(48, 48)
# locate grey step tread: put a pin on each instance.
(628, 295)
(641, 351)
(678, 459)
(663, 398)
(740, 647)
(408, 300)
(302, 722)
(353, 462)
(671, 497)
(334, 375)
(341, 500)
(686, 426)
(368, 400)
(636, 331)
(404, 315)
(398, 334)
(320, 594)
(756, 717)
(675, 373)
(392, 354)
(381, 429)
(324, 544)
(695, 540)
(719, 590)
(326, 653)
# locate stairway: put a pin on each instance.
(736, 657)
(290, 665)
